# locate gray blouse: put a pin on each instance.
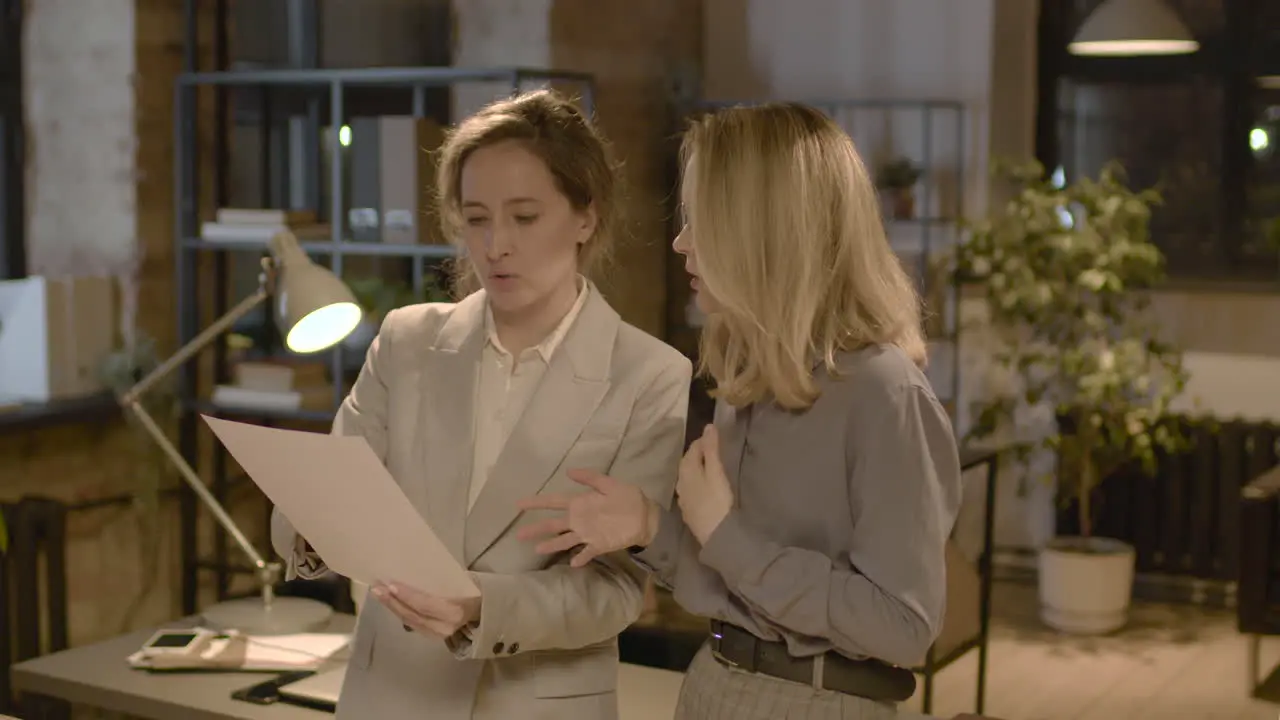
(842, 513)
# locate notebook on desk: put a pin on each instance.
(320, 690)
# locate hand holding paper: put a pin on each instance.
(341, 498)
(428, 614)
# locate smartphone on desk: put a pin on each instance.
(268, 692)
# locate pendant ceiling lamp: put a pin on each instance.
(1129, 28)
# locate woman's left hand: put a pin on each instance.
(703, 490)
(428, 614)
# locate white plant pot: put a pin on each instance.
(1086, 584)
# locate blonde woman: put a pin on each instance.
(472, 405)
(812, 516)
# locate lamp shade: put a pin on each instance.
(315, 309)
(1133, 27)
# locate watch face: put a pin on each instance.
(172, 640)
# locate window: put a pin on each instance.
(1204, 128)
(12, 220)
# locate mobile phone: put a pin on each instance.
(268, 692)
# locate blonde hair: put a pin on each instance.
(553, 128)
(788, 238)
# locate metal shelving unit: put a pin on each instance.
(921, 130)
(322, 93)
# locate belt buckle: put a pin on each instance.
(717, 637)
(748, 644)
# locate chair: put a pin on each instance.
(33, 595)
(1258, 585)
(967, 622)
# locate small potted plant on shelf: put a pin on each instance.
(1063, 271)
(896, 181)
(378, 296)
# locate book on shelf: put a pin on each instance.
(265, 216)
(391, 179)
(253, 225)
(232, 396)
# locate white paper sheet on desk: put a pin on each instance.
(339, 496)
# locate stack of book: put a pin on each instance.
(253, 225)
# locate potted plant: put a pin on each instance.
(1063, 271)
(896, 181)
(378, 296)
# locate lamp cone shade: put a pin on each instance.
(315, 309)
(1132, 28)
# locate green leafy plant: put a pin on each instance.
(1064, 272)
(377, 296)
(898, 174)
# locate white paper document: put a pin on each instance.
(339, 496)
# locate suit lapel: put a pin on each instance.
(446, 420)
(575, 382)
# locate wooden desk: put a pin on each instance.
(98, 676)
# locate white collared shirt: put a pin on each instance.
(504, 386)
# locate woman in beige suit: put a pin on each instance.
(476, 404)
(813, 514)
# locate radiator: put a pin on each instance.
(33, 597)
(1184, 520)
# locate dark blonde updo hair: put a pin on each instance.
(554, 128)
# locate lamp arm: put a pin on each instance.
(193, 480)
(131, 400)
(198, 343)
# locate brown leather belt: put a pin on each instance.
(870, 679)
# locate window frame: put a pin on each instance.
(1233, 58)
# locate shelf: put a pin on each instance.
(326, 247)
(67, 411)
(956, 106)
(403, 76)
(205, 407)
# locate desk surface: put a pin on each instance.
(98, 676)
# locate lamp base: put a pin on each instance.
(285, 616)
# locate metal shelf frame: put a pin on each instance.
(321, 85)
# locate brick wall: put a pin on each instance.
(118, 180)
(638, 52)
(641, 55)
(99, 80)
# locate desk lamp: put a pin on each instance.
(315, 311)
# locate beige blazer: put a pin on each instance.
(613, 399)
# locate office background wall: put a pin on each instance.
(116, 210)
(983, 53)
(104, 74)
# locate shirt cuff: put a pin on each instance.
(307, 563)
(487, 638)
(734, 550)
(660, 556)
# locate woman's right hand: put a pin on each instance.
(610, 516)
